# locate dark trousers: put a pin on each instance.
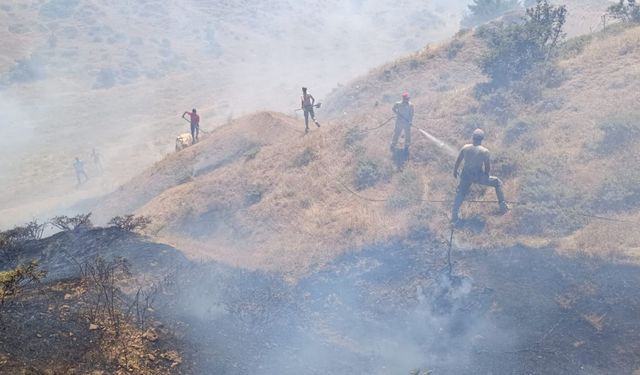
(79, 174)
(400, 127)
(308, 111)
(465, 185)
(195, 131)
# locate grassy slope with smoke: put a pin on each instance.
(116, 76)
(259, 194)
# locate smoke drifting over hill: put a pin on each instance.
(116, 77)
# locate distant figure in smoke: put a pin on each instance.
(97, 160)
(404, 119)
(194, 119)
(476, 170)
(78, 165)
(307, 102)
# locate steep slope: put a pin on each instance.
(75, 76)
(291, 202)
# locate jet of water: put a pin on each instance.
(447, 148)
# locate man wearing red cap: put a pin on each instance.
(404, 118)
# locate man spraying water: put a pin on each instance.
(476, 170)
(404, 118)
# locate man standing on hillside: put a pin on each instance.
(97, 160)
(404, 119)
(476, 170)
(194, 119)
(307, 102)
(78, 166)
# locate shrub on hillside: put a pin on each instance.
(353, 136)
(59, 8)
(369, 172)
(105, 79)
(620, 192)
(619, 130)
(499, 103)
(454, 48)
(515, 130)
(12, 281)
(514, 49)
(482, 11)
(253, 194)
(12, 238)
(628, 11)
(130, 222)
(78, 222)
(305, 158)
(28, 70)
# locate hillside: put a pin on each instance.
(279, 252)
(75, 76)
(116, 76)
(259, 194)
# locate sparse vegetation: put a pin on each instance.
(619, 130)
(306, 157)
(454, 48)
(252, 153)
(78, 222)
(549, 203)
(253, 194)
(130, 223)
(626, 11)
(12, 281)
(12, 239)
(106, 78)
(514, 50)
(408, 190)
(105, 301)
(369, 172)
(353, 136)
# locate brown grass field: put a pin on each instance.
(258, 193)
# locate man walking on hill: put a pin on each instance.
(404, 119)
(307, 102)
(476, 170)
(78, 166)
(97, 160)
(194, 119)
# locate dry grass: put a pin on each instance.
(301, 216)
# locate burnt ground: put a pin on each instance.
(62, 254)
(53, 327)
(388, 309)
(383, 310)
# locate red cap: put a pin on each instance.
(405, 94)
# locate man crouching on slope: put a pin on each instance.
(477, 166)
